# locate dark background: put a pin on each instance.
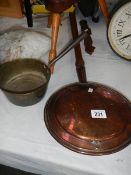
(5, 170)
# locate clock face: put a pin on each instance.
(119, 31)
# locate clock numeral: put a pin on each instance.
(121, 23)
(122, 41)
(128, 47)
(129, 15)
(119, 33)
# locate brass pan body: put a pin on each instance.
(24, 81)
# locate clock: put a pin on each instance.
(119, 29)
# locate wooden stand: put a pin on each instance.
(104, 9)
(54, 36)
(55, 30)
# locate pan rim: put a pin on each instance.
(21, 60)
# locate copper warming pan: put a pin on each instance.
(89, 118)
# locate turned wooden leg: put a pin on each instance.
(49, 20)
(54, 36)
(104, 9)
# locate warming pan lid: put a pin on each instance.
(89, 118)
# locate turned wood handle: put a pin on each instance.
(89, 48)
(84, 26)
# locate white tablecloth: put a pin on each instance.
(25, 142)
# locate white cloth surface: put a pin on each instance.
(25, 142)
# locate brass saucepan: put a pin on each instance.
(24, 81)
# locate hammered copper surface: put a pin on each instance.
(68, 118)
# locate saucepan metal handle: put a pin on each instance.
(69, 47)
